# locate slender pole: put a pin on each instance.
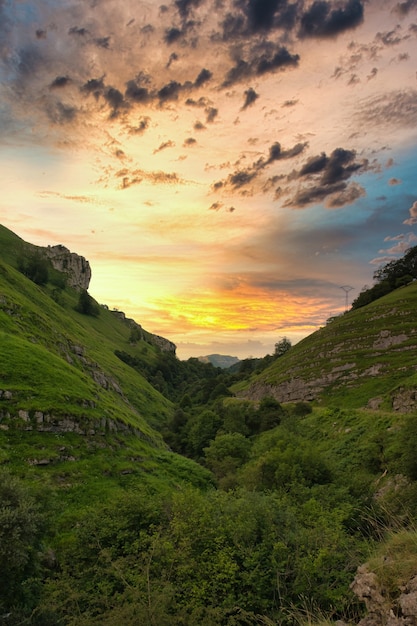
(346, 289)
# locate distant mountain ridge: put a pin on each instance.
(219, 360)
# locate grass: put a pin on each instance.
(57, 361)
(395, 561)
(348, 358)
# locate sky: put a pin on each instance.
(234, 171)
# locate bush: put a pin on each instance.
(87, 305)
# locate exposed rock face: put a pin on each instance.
(383, 611)
(76, 267)
(404, 400)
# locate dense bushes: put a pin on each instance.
(215, 558)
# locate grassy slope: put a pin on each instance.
(350, 352)
(57, 361)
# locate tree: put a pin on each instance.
(34, 267)
(87, 305)
(282, 346)
(226, 453)
(203, 429)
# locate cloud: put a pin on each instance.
(327, 176)
(412, 220)
(242, 178)
(211, 114)
(395, 108)
(60, 81)
(394, 181)
(250, 97)
(137, 176)
(262, 60)
(321, 20)
(164, 146)
(141, 126)
(403, 8)
(203, 77)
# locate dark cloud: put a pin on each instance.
(40, 33)
(115, 100)
(263, 59)
(340, 166)
(327, 176)
(136, 92)
(170, 91)
(172, 35)
(172, 57)
(314, 165)
(280, 59)
(349, 195)
(102, 42)
(142, 125)
(79, 32)
(94, 87)
(203, 77)
(322, 20)
(389, 38)
(241, 178)
(289, 103)
(276, 153)
(403, 8)
(233, 27)
(60, 81)
(211, 114)
(259, 17)
(201, 102)
(261, 13)
(250, 97)
(190, 141)
(184, 7)
(199, 126)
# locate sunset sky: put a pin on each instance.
(226, 167)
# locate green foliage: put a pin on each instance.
(282, 346)
(409, 447)
(138, 534)
(35, 267)
(87, 305)
(21, 530)
(225, 454)
(390, 276)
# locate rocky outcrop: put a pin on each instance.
(404, 400)
(163, 344)
(381, 609)
(76, 267)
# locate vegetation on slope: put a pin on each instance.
(136, 489)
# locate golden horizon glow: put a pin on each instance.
(223, 173)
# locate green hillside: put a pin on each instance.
(137, 489)
(63, 391)
(365, 357)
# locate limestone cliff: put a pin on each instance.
(76, 267)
